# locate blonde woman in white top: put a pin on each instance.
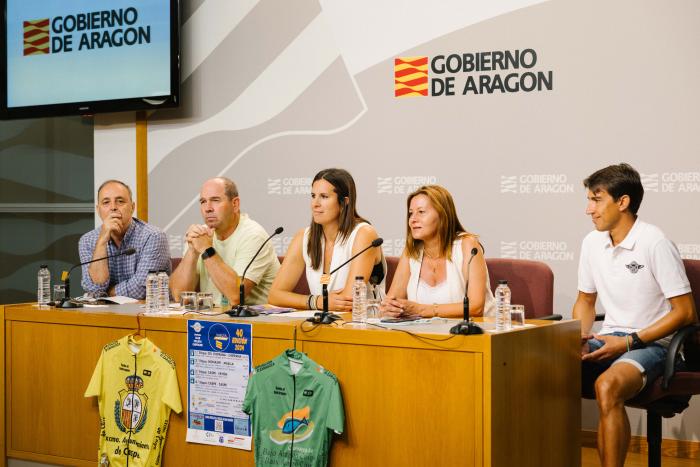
(430, 278)
(336, 233)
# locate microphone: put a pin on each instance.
(325, 317)
(467, 326)
(241, 310)
(65, 277)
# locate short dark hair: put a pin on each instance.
(230, 188)
(119, 182)
(618, 180)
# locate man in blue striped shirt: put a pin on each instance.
(122, 275)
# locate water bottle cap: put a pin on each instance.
(359, 278)
(43, 266)
(502, 282)
(153, 272)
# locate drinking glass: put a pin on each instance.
(373, 308)
(205, 301)
(188, 301)
(59, 292)
(517, 315)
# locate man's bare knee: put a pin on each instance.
(619, 383)
(607, 390)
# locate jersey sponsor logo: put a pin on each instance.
(308, 392)
(634, 267)
(264, 366)
(329, 374)
(295, 425)
(111, 345)
(146, 372)
(131, 408)
(168, 359)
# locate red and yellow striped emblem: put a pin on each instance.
(410, 76)
(36, 37)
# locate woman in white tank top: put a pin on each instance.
(430, 278)
(336, 233)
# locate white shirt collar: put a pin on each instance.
(630, 239)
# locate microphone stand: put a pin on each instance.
(241, 310)
(66, 301)
(325, 317)
(467, 326)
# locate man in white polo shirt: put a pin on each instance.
(638, 275)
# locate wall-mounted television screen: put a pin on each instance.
(63, 57)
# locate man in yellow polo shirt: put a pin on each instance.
(219, 250)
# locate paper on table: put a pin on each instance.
(295, 314)
(494, 331)
(120, 300)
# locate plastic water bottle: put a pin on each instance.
(359, 300)
(502, 306)
(163, 291)
(43, 289)
(152, 292)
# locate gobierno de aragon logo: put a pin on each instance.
(410, 76)
(84, 31)
(36, 37)
(504, 71)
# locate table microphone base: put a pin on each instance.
(66, 303)
(323, 318)
(242, 311)
(466, 328)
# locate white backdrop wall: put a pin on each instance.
(274, 91)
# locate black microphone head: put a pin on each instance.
(378, 241)
(130, 251)
(279, 230)
(474, 251)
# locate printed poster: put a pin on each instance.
(220, 359)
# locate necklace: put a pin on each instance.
(432, 262)
(429, 256)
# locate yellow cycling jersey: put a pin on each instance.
(136, 386)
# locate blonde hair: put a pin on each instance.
(449, 226)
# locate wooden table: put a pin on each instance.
(502, 399)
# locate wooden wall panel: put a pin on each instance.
(48, 369)
(535, 396)
(405, 406)
(491, 400)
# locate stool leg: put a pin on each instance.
(654, 438)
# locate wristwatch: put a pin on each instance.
(637, 343)
(208, 253)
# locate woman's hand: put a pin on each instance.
(395, 307)
(336, 302)
(412, 308)
(390, 307)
